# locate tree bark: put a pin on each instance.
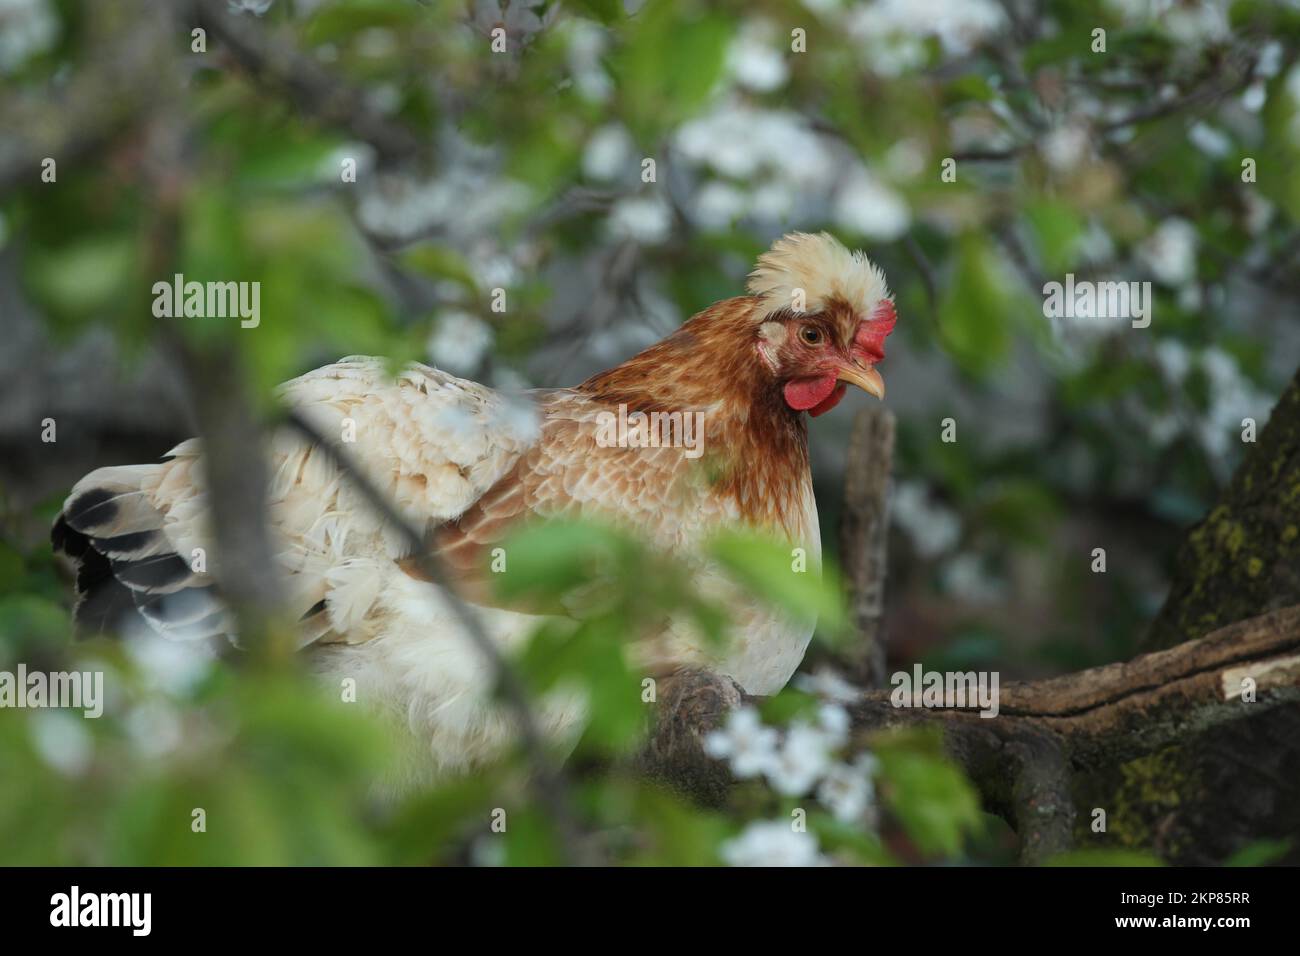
(864, 537)
(1047, 733)
(1203, 798)
(1244, 558)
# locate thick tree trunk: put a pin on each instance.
(1244, 558)
(1211, 794)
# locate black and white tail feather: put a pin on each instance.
(431, 441)
(128, 569)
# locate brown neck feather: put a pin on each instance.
(756, 444)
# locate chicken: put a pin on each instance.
(469, 466)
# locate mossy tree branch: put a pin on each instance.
(1022, 760)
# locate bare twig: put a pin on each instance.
(113, 89)
(236, 481)
(864, 536)
(235, 476)
(316, 92)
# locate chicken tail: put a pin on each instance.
(128, 570)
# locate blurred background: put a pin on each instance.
(1107, 140)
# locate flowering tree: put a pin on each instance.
(1088, 216)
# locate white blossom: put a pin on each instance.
(866, 205)
(363, 154)
(459, 342)
(848, 791)
(745, 742)
(1232, 398)
(463, 202)
(826, 683)
(824, 7)
(62, 741)
(488, 851)
(170, 666)
(1270, 59)
(834, 723)
(256, 7)
(1170, 251)
(492, 269)
(1259, 212)
(519, 18)
(586, 46)
(892, 33)
(965, 576)
(1095, 244)
(906, 159)
(154, 728)
(754, 60)
(1066, 146)
(803, 758)
(609, 153)
(744, 142)
(645, 219)
(1173, 359)
(27, 27)
(772, 843)
(717, 205)
(1255, 96)
(774, 201)
(933, 528)
(1197, 22)
(1192, 23)
(1210, 141)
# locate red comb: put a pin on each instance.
(871, 333)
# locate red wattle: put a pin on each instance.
(805, 393)
(824, 406)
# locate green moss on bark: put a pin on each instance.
(1244, 558)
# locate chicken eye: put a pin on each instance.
(810, 334)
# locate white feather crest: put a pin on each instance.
(822, 268)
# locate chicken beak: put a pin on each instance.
(864, 377)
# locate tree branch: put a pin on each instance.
(1046, 731)
(864, 534)
(314, 90)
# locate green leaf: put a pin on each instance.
(334, 22)
(1260, 853)
(84, 276)
(440, 262)
(606, 11)
(927, 792)
(673, 57)
(773, 572)
(781, 708)
(546, 559)
(974, 314)
(1057, 229)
